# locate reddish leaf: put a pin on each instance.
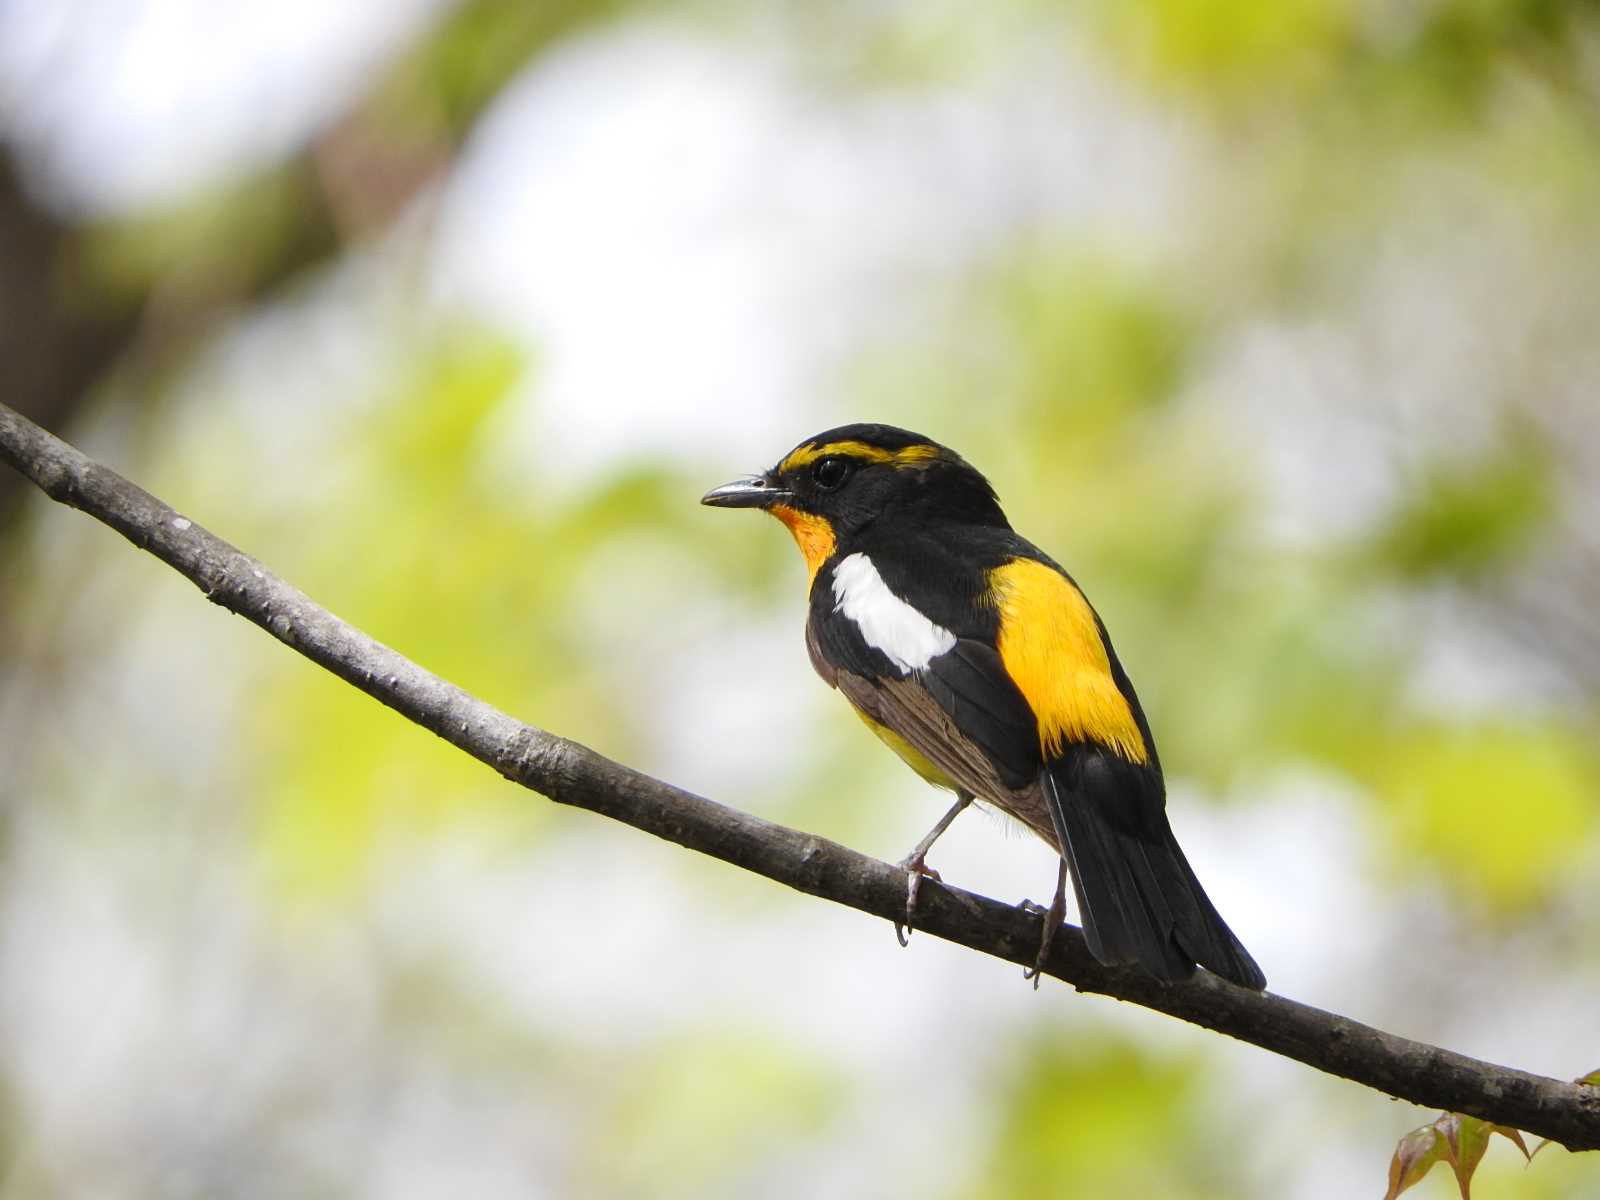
(1451, 1138)
(1466, 1138)
(1413, 1158)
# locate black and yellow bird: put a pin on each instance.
(975, 657)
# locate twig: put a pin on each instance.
(572, 774)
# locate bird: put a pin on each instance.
(975, 657)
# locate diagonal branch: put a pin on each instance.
(572, 774)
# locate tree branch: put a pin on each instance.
(572, 774)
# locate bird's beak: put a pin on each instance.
(753, 491)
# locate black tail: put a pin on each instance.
(1138, 898)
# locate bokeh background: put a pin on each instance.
(1275, 322)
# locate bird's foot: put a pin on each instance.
(1052, 922)
(915, 864)
(915, 868)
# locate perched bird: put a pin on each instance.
(975, 657)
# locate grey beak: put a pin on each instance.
(753, 491)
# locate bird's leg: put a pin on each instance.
(915, 865)
(1052, 922)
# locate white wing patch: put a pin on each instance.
(887, 623)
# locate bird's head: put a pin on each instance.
(833, 486)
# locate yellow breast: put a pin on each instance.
(909, 754)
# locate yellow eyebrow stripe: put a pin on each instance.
(1051, 647)
(804, 456)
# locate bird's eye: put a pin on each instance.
(830, 472)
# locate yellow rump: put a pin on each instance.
(1051, 646)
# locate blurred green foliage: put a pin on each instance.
(481, 46)
(708, 1114)
(482, 587)
(1068, 371)
(1089, 329)
(339, 766)
(1104, 1119)
(1468, 518)
(1503, 812)
(1234, 45)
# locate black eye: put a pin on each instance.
(830, 472)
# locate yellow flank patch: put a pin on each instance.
(909, 457)
(909, 754)
(813, 534)
(1052, 649)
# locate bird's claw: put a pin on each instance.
(1037, 910)
(915, 868)
(1052, 921)
(1035, 971)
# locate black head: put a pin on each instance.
(851, 476)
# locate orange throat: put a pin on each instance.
(813, 534)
